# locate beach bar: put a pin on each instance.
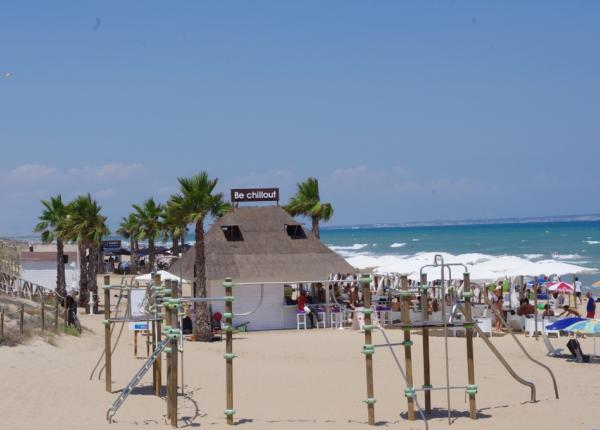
(262, 245)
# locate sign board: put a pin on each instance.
(111, 244)
(254, 195)
(137, 302)
(138, 326)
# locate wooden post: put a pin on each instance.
(55, 314)
(368, 348)
(535, 305)
(426, 366)
(172, 383)
(156, 364)
(471, 389)
(21, 319)
(66, 313)
(43, 313)
(135, 342)
(229, 351)
(2, 324)
(107, 339)
(168, 326)
(410, 393)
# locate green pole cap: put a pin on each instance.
(227, 283)
(370, 401)
(365, 278)
(229, 412)
(409, 392)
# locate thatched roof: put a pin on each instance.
(266, 252)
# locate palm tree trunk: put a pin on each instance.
(183, 242)
(133, 257)
(93, 274)
(61, 283)
(202, 328)
(315, 227)
(83, 271)
(151, 255)
(175, 245)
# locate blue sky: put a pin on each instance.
(404, 110)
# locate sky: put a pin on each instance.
(404, 111)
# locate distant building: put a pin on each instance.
(38, 265)
(264, 243)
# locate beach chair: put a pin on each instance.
(552, 352)
(546, 323)
(485, 325)
(531, 328)
(516, 322)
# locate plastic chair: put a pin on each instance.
(485, 325)
(321, 317)
(336, 318)
(300, 319)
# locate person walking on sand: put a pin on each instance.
(578, 291)
(591, 306)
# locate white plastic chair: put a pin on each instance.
(485, 325)
(300, 320)
(321, 319)
(336, 318)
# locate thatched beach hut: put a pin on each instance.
(262, 244)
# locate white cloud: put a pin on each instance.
(104, 194)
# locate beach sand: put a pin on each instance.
(311, 379)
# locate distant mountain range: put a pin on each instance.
(465, 222)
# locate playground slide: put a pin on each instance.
(110, 413)
(510, 331)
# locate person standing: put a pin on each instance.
(578, 291)
(591, 306)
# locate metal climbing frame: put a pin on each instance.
(110, 413)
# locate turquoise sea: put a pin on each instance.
(555, 244)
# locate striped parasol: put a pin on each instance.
(561, 287)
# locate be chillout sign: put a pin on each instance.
(254, 195)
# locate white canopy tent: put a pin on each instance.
(164, 276)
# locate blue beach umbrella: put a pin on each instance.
(563, 323)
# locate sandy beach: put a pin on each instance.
(290, 380)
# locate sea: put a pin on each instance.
(491, 251)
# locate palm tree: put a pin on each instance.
(53, 215)
(149, 215)
(86, 225)
(174, 226)
(197, 201)
(307, 202)
(130, 229)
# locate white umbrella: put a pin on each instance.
(164, 276)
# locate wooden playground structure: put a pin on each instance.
(167, 323)
(163, 316)
(448, 321)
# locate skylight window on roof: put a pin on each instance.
(295, 231)
(232, 233)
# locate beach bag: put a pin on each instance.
(306, 310)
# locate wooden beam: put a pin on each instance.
(426, 362)
(368, 348)
(469, 339)
(107, 339)
(407, 346)
(229, 350)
